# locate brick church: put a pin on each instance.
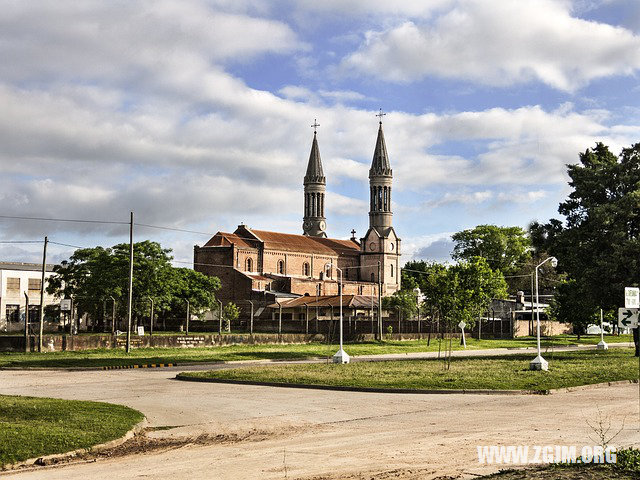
(264, 266)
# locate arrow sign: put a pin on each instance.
(628, 317)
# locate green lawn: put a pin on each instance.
(115, 357)
(567, 369)
(32, 427)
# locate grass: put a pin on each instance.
(116, 357)
(627, 467)
(32, 427)
(566, 369)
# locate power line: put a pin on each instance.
(16, 217)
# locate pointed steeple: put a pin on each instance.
(314, 167)
(314, 222)
(380, 163)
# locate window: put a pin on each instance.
(328, 272)
(305, 269)
(346, 273)
(13, 284)
(249, 265)
(373, 279)
(281, 267)
(34, 284)
(392, 269)
(13, 313)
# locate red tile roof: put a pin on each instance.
(300, 243)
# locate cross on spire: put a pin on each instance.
(315, 126)
(380, 115)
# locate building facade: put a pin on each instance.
(16, 280)
(262, 266)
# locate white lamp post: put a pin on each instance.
(540, 363)
(340, 356)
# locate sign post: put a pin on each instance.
(631, 297)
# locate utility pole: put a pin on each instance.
(44, 266)
(113, 315)
(187, 319)
(379, 302)
(151, 318)
(26, 322)
(130, 303)
(220, 320)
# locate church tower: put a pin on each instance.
(381, 246)
(314, 223)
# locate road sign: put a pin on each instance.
(628, 317)
(631, 297)
(461, 325)
(65, 304)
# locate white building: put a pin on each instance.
(16, 280)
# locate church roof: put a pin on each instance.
(223, 239)
(380, 163)
(314, 168)
(284, 241)
(301, 243)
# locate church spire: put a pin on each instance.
(314, 223)
(380, 164)
(314, 167)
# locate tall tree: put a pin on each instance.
(93, 275)
(598, 245)
(504, 248)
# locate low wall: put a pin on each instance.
(53, 343)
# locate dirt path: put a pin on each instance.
(240, 432)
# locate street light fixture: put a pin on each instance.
(340, 356)
(540, 363)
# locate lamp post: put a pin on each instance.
(602, 345)
(340, 356)
(540, 363)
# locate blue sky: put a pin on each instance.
(197, 114)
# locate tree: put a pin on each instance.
(93, 275)
(598, 244)
(230, 314)
(568, 306)
(504, 248)
(405, 300)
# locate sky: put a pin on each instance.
(197, 114)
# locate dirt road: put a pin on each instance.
(276, 433)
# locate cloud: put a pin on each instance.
(435, 247)
(499, 43)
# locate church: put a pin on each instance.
(263, 266)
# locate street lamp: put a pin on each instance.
(540, 363)
(340, 356)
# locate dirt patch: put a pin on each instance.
(142, 444)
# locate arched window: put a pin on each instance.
(249, 265)
(392, 269)
(281, 267)
(305, 269)
(328, 272)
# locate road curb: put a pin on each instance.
(60, 457)
(406, 390)
(148, 365)
(362, 389)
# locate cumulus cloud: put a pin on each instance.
(500, 43)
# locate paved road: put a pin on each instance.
(313, 434)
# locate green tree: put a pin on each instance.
(568, 306)
(405, 301)
(504, 248)
(93, 275)
(230, 314)
(598, 244)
